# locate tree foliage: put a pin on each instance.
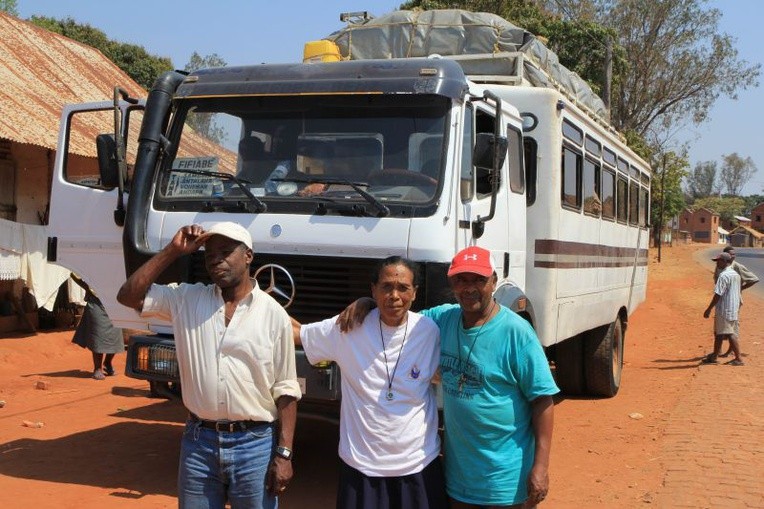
(736, 172)
(137, 63)
(751, 202)
(9, 6)
(701, 181)
(679, 63)
(205, 124)
(726, 206)
(666, 196)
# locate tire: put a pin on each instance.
(569, 369)
(603, 359)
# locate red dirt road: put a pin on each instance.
(697, 441)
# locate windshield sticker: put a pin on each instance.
(188, 184)
(207, 163)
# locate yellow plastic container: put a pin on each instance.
(321, 51)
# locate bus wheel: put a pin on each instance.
(569, 369)
(603, 359)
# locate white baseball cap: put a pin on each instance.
(228, 229)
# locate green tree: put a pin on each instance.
(679, 63)
(701, 181)
(137, 63)
(726, 206)
(736, 172)
(9, 6)
(666, 197)
(205, 123)
(751, 202)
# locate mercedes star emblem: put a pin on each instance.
(283, 296)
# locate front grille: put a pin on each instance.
(324, 285)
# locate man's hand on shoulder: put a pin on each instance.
(355, 313)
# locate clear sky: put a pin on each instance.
(257, 31)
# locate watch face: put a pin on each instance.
(286, 188)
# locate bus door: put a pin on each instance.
(85, 234)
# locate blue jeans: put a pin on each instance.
(216, 467)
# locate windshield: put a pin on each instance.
(319, 153)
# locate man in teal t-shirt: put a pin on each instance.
(497, 393)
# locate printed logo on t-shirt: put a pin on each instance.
(415, 372)
(460, 379)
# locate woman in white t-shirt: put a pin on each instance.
(389, 442)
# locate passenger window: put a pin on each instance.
(571, 178)
(634, 203)
(592, 201)
(81, 163)
(608, 194)
(530, 149)
(622, 199)
(515, 158)
(644, 200)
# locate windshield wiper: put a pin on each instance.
(381, 209)
(259, 205)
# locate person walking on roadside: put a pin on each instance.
(726, 302)
(96, 333)
(747, 280)
(497, 392)
(389, 442)
(237, 369)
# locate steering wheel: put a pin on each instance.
(400, 177)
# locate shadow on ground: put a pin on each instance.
(133, 458)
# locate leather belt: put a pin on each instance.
(228, 426)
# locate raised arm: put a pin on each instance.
(134, 290)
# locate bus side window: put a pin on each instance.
(530, 149)
(622, 199)
(591, 186)
(571, 178)
(515, 158)
(608, 194)
(634, 203)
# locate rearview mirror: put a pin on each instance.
(106, 148)
(486, 147)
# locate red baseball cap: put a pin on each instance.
(472, 259)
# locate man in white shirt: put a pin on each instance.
(237, 369)
(389, 442)
(726, 300)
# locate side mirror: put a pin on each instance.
(106, 148)
(486, 147)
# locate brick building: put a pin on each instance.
(702, 225)
(757, 217)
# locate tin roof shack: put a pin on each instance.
(703, 225)
(757, 217)
(745, 236)
(40, 72)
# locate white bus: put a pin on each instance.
(334, 166)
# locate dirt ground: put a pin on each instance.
(107, 444)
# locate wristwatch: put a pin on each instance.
(284, 452)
